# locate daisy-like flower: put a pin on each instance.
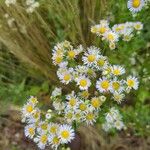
(28, 109)
(90, 117)
(33, 100)
(135, 5)
(96, 102)
(112, 45)
(132, 82)
(53, 128)
(43, 127)
(101, 62)
(103, 85)
(119, 125)
(30, 130)
(65, 75)
(57, 58)
(127, 37)
(71, 54)
(35, 116)
(90, 57)
(84, 94)
(54, 141)
(117, 70)
(118, 97)
(111, 36)
(41, 140)
(72, 100)
(66, 133)
(138, 26)
(69, 116)
(83, 82)
(82, 106)
(116, 85)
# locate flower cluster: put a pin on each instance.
(93, 71)
(124, 31)
(44, 132)
(113, 120)
(77, 107)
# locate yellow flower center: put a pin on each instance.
(116, 72)
(95, 102)
(55, 140)
(71, 54)
(36, 115)
(90, 116)
(136, 3)
(101, 62)
(31, 131)
(44, 139)
(105, 84)
(65, 134)
(83, 82)
(29, 108)
(67, 77)
(116, 85)
(82, 107)
(102, 30)
(85, 94)
(130, 83)
(58, 59)
(111, 37)
(44, 126)
(72, 102)
(91, 58)
(137, 26)
(53, 129)
(69, 115)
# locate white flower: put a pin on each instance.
(103, 85)
(96, 102)
(33, 100)
(30, 130)
(101, 62)
(111, 36)
(66, 133)
(42, 127)
(65, 75)
(90, 57)
(138, 26)
(72, 100)
(48, 116)
(56, 92)
(117, 70)
(135, 5)
(57, 58)
(90, 116)
(83, 82)
(118, 96)
(132, 82)
(42, 140)
(54, 141)
(28, 109)
(116, 85)
(119, 125)
(53, 128)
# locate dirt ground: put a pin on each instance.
(12, 137)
